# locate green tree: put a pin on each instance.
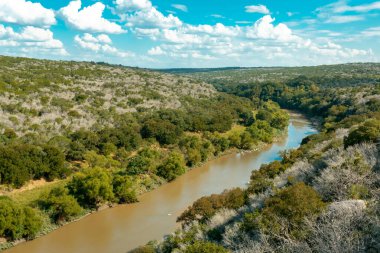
(172, 167)
(92, 187)
(60, 205)
(17, 221)
(123, 189)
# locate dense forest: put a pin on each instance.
(95, 134)
(321, 197)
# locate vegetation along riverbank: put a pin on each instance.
(94, 135)
(321, 197)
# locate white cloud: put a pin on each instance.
(257, 9)
(264, 29)
(89, 18)
(26, 13)
(152, 33)
(152, 18)
(371, 32)
(334, 12)
(344, 19)
(259, 44)
(217, 16)
(180, 7)
(31, 38)
(132, 5)
(156, 51)
(175, 36)
(100, 43)
(342, 7)
(217, 30)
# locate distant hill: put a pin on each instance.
(196, 70)
(56, 95)
(340, 74)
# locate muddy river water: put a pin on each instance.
(120, 229)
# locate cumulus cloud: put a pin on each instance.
(26, 13)
(31, 38)
(89, 18)
(152, 18)
(257, 9)
(259, 44)
(264, 29)
(156, 51)
(132, 5)
(141, 14)
(217, 30)
(180, 7)
(100, 43)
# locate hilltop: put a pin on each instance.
(327, 75)
(52, 96)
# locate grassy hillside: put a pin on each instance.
(51, 96)
(326, 75)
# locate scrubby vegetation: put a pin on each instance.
(322, 197)
(109, 133)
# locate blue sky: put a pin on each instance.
(183, 33)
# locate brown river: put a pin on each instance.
(122, 228)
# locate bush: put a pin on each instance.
(18, 222)
(143, 249)
(92, 187)
(205, 207)
(123, 189)
(368, 132)
(164, 131)
(144, 162)
(23, 162)
(60, 206)
(172, 167)
(292, 204)
(205, 247)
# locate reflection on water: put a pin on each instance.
(125, 227)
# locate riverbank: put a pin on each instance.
(4, 245)
(124, 227)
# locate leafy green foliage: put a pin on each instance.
(172, 167)
(123, 189)
(92, 187)
(368, 132)
(205, 247)
(18, 222)
(292, 204)
(20, 163)
(60, 206)
(205, 207)
(165, 132)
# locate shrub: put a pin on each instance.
(92, 187)
(18, 222)
(123, 189)
(205, 207)
(368, 132)
(172, 167)
(205, 247)
(22, 162)
(60, 205)
(143, 249)
(294, 204)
